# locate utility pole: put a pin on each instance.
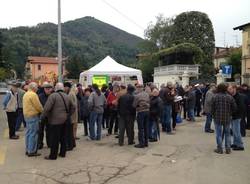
(59, 57)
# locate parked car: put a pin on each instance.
(3, 88)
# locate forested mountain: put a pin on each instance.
(85, 42)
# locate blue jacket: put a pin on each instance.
(6, 99)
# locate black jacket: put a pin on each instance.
(155, 106)
(198, 96)
(247, 94)
(43, 98)
(190, 100)
(166, 97)
(84, 107)
(125, 105)
(239, 100)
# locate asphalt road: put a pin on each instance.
(184, 158)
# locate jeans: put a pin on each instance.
(236, 133)
(167, 115)
(191, 114)
(220, 135)
(142, 121)
(31, 135)
(20, 119)
(152, 129)
(208, 122)
(95, 118)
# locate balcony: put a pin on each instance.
(177, 69)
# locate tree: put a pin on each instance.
(147, 66)
(4, 67)
(1, 50)
(75, 66)
(188, 27)
(184, 53)
(86, 38)
(235, 60)
(160, 34)
(3, 74)
(195, 27)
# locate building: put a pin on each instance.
(42, 67)
(221, 55)
(174, 73)
(245, 64)
(178, 64)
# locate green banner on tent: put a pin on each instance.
(100, 80)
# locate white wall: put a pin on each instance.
(163, 79)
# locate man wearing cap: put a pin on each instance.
(43, 96)
(10, 106)
(58, 110)
(142, 105)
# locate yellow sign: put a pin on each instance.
(100, 80)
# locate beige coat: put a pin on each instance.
(12, 104)
(73, 99)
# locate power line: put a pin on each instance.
(124, 15)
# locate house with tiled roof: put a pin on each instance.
(41, 67)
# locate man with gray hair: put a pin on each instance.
(58, 109)
(142, 104)
(32, 108)
(207, 107)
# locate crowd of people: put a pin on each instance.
(53, 112)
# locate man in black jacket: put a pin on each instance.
(126, 113)
(246, 92)
(167, 95)
(43, 96)
(236, 118)
(198, 97)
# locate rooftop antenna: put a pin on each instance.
(236, 40)
(224, 39)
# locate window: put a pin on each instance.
(39, 67)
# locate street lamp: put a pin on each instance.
(59, 43)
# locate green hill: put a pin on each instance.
(85, 42)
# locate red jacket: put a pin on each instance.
(111, 99)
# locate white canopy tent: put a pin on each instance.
(108, 66)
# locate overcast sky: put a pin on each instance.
(134, 15)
